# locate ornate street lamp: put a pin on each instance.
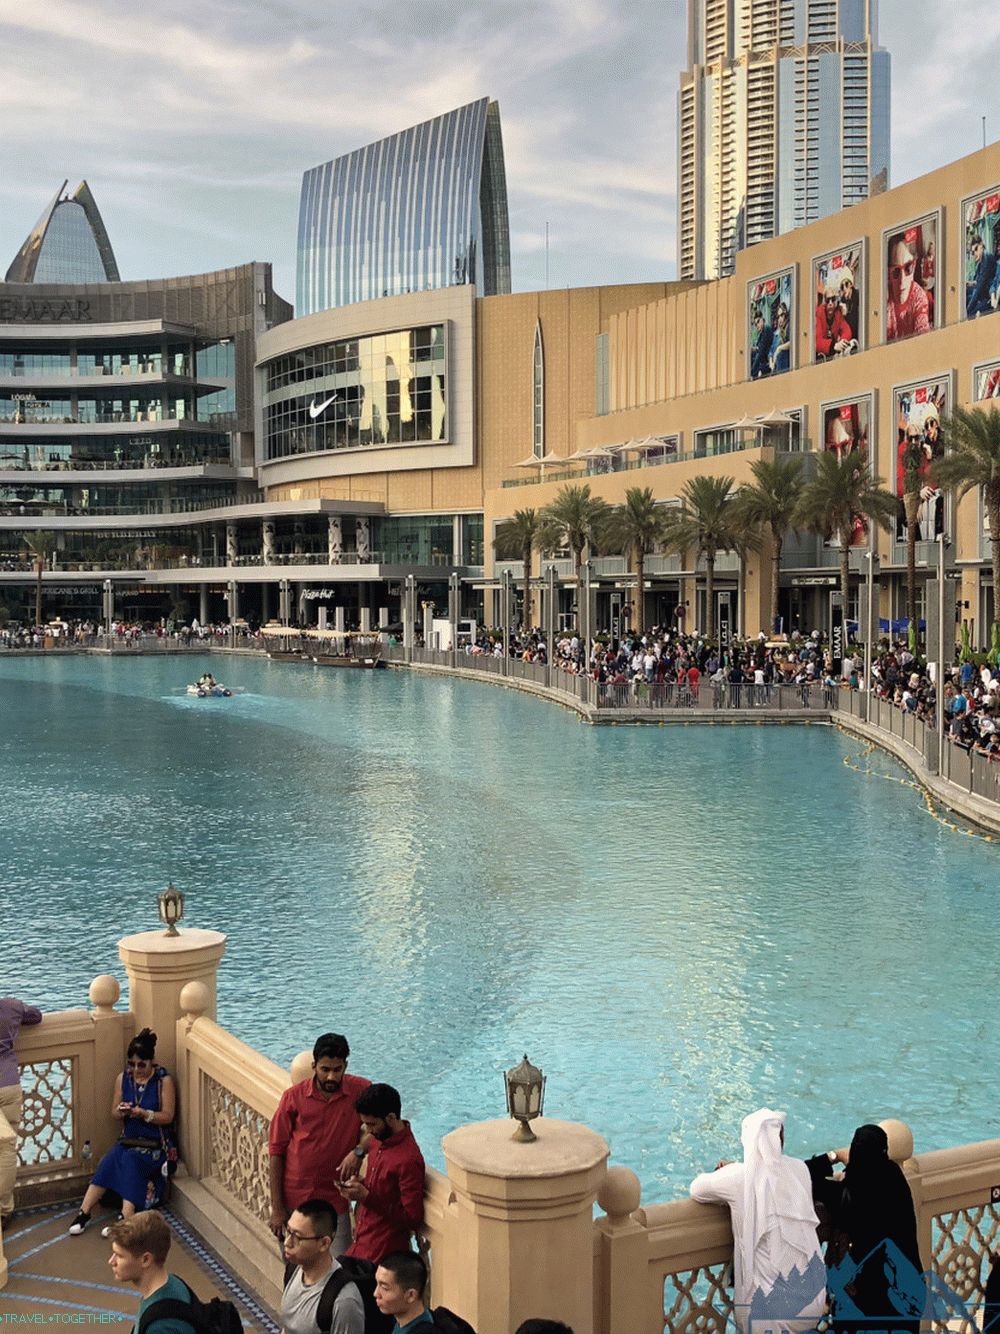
(171, 909)
(525, 1085)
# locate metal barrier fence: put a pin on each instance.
(712, 698)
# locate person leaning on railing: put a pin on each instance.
(137, 1167)
(13, 1015)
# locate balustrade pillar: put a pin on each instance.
(158, 967)
(522, 1240)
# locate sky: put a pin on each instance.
(193, 122)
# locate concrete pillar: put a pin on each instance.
(365, 622)
(267, 541)
(203, 604)
(334, 539)
(158, 967)
(362, 539)
(523, 1232)
(428, 624)
(265, 603)
(339, 619)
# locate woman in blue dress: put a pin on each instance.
(145, 1102)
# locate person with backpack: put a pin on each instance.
(319, 1295)
(139, 1249)
(400, 1288)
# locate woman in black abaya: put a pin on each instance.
(879, 1282)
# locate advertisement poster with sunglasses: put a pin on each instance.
(770, 307)
(838, 282)
(918, 410)
(847, 428)
(911, 257)
(981, 228)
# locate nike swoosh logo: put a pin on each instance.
(317, 409)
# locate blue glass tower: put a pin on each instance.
(425, 208)
(68, 243)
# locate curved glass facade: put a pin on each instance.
(425, 208)
(68, 244)
(387, 389)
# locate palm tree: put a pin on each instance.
(841, 495)
(576, 518)
(770, 506)
(635, 528)
(706, 521)
(518, 539)
(973, 459)
(41, 545)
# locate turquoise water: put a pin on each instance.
(678, 924)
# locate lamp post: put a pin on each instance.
(171, 903)
(525, 1087)
(587, 628)
(454, 613)
(872, 555)
(940, 663)
(505, 618)
(550, 621)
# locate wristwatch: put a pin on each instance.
(359, 1152)
(832, 1155)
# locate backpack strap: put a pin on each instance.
(332, 1289)
(169, 1308)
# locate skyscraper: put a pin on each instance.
(425, 208)
(68, 243)
(783, 119)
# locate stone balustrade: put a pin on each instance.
(509, 1228)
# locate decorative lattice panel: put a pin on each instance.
(238, 1137)
(46, 1130)
(697, 1301)
(961, 1244)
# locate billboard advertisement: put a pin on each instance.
(981, 230)
(847, 427)
(918, 409)
(770, 321)
(838, 287)
(911, 261)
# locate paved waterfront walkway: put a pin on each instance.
(63, 1279)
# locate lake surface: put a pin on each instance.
(678, 924)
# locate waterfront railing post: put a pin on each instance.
(454, 614)
(523, 1240)
(158, 968)
(409, 616)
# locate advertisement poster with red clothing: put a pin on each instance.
(911, 260)
(838, 285)
(981, 230)
(847, 431)
(918, 412)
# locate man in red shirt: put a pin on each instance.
(315, 1129)
(391, 1196)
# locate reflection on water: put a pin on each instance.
(679, 924)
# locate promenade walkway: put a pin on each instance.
(54, 1278)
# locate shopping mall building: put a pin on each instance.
(192, 443)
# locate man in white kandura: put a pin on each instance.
(779, 1275)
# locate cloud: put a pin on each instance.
(194, 131)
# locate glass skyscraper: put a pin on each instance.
(68, 243)
(425, 208)
(783, 119)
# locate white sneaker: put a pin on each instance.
(79, 1223)
(106, 1230)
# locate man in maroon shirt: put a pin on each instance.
(391, 1196)
(314, 1135)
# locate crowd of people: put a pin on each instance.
(346, 1181)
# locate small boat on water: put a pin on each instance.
(207, 686)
